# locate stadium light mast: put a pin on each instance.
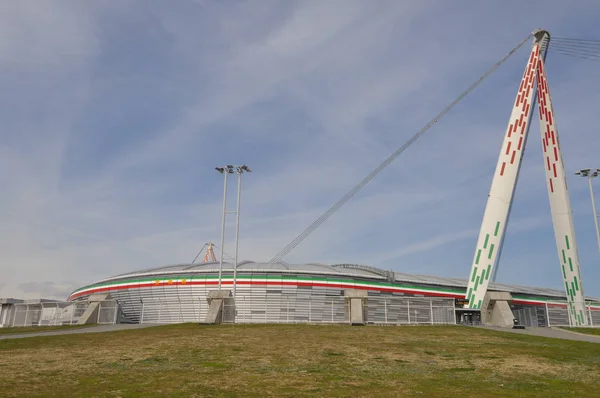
(226, 170)
(239, 170)
(591, 173)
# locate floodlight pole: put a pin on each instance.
(594, 209)
(240, 170)
(230, 169)
(237, 230)
(590, 173)
(224, 171)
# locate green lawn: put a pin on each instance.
(592, 331)
(33, 329)
(299, 360)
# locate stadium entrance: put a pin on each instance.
(465, 315)
(468, 316)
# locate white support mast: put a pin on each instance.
(493, 227)
(560, 205)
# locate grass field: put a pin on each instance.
(299, 360)
(34, 329)
(592, 331)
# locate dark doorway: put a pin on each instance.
(467, 316)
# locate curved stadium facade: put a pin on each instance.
(310, 293)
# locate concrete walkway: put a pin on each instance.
(549, 332)
(91, 329)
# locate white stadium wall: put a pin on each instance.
(299, 294)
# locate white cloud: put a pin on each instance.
(48, 289)
(311, 94)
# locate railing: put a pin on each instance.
(269, 308)
(60, 313)
(47, 314)
(332, 310)
(411, 310)
(286, 309)
(527, 317)
(558, 313)
(108, 312)
(167, 311)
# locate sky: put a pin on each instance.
(114, 114)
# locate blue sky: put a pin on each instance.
(114, 114)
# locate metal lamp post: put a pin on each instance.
(240, 170)
(226, 170)
(592, 173)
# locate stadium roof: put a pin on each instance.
(355, 270)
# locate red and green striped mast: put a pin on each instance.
(500, 198)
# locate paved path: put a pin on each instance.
(551, 333)
(91, 329)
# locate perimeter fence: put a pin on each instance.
(61, 313)
(558, 314)
(261, 307)
(269, 308)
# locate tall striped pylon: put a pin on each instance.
(209, 256)
(493, 226)
(560, 204)
(497, 212)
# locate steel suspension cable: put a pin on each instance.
(589, 57)
(576, 54)
(575, 46)
(294, 243)
(588, 49)
(576, 40)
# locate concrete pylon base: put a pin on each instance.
(221, 307)
(91, 313)
(495, 309)
(356, 302)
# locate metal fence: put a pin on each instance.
(411, 310)
(286, 309)
(261, 307)
(108, 312)
(59, 313)
(381, 310)
(166, 311)
(47, 314)
(528, 317)
(333, 309)
(270, 308)
(558, 313)
(555, 313)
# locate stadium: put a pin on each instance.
(251, 292)
(315, 293)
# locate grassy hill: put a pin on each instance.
(299, 360)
